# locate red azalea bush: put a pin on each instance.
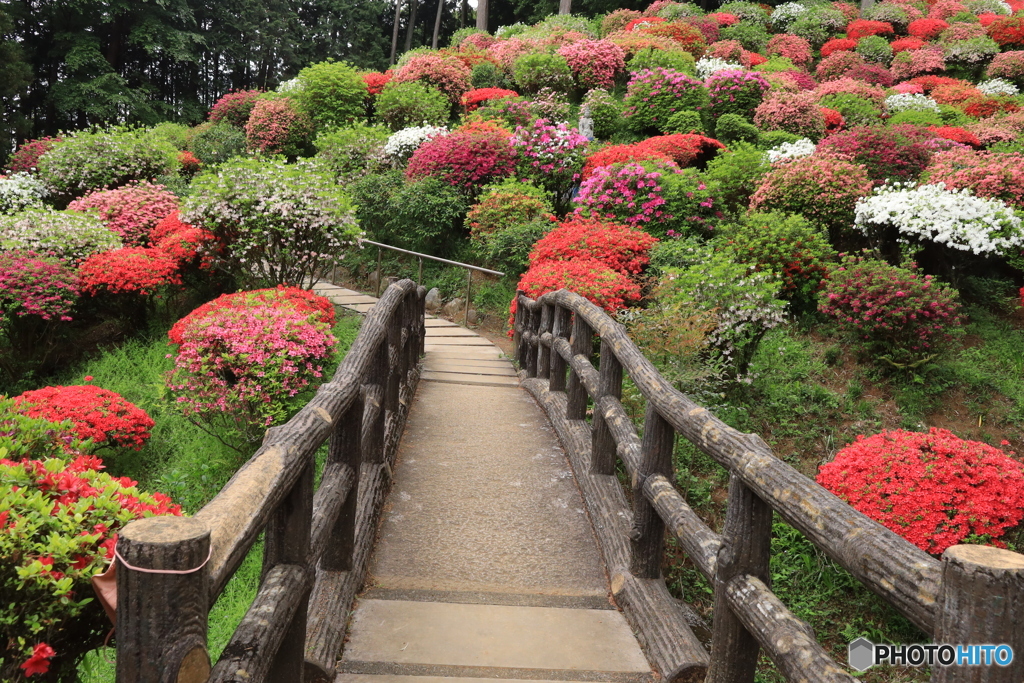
(131, 210)
(686, 149)
(686, 36)
(594, 63)
(375, 81)
(833, 120)
(709, 28)
(987, 174)
(984, 107)
(861, 28)
(727, 50)
(927, 29)
(33, 285)
(302, 300)
(190, 165)
(474, 98)
(279, 126)
(908, 64)
(870, 73)
(617, 154)
(98, 414)
(235, 107)
(931, 82)
(793, 48)
(187, 247)
(642, 22)
(796, 113)
(1008, 65)
(956, 93)
(935, 490)
(26, 158)
(621, 248)
(822, 189)
(837, 45)
(837, 64)
(723, 18)
(956, 134)
(464, 159)
(132, 270)
(447, 73)
(907, 44)
(893, 152)
(59, 519)
(898, 313)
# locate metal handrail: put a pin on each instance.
(419, 279)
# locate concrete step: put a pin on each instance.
(450, 332)
(469, 368)
(469, 379)
(449, 634)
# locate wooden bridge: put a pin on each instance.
(495, 540)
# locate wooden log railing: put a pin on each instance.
(974, 595)
(316, 544)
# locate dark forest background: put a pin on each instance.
(68, 64)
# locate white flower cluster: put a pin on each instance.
(803, 147)
(709, 65)
(786, 14)
(905, 101)
(402, 144)
(21, 191)
(292, 86)
(989, 7)
(517, 27)
(69, 235)
(954, 218)
(998, 86)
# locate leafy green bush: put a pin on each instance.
(372, 194)
(686, 121)
(773, 138)
(351, 152)
(425, 215)
(751, 36)
(88, 160)
(215, 143)
(487, 75)
(916, 118)
(606, 112)
(174, 133)
(734, 128)
(508, 250)
(68, 235)
(332, 93)
(654, 95)
(651, 58)
(856, 111)
(275, 223)
(875, 49)
(401, 105)
(734, 176)
(539, 70)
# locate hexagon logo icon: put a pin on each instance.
(861, 654)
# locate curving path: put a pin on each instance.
(485, 565)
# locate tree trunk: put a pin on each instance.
(412, 23)
(394, 33)
(564, 6)
(437, 23)
(482, 10)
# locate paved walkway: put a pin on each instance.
(485, 566)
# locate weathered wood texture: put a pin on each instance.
(362, 410)
(906, 577)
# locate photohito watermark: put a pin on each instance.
(863, 654)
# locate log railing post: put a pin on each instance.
(518, 326)
(544, 352)
(375, 383)
(602, 459)
(421, 313)
(576, 393)
(532, 321)
(286, 541)
(648, 531)
(162, 618)
(345, 448)
(392, 387)
(745, 549)
(561, 321)
(981, 603)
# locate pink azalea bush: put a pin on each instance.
(631, 193)
(465, 159)
(796, 113)
(551, 154)
(907, 65)
(987, 174)
(131, 210)
(793, 48)
(33, 285)
(732, 91)
(446, 73)
(235, 107)
(278, 126)
(594, 63)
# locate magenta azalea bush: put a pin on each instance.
(654, 95)
(631, 193)
(33, 285)
(466, 159)
(796, 113)
(278, 126)
(550, 154)
(732, 91)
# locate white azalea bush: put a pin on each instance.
(911, 102)
(998, 86)
(786, 13)
(21, 191)
(402, 144)
(710, 65)
(804, 147)
(952, 218)
(68, 235)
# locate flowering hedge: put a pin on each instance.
(901, 315)
(551, 154)
(933, 489)
(60, 518)
(895, 152)
(131, 270)
(234, 108)
(26, 158)
(796, 113)
(103, 416)
(987, 174)
(464, 159)
(238, 366)
(36, 286)
(653, 95)
(594, 63)
(131, 211)
(736, 92)
(66, 235)
(278, 126)
(621, 248)
(20, 191)
(592, 279)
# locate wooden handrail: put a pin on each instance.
(913, 582)
(316, 544)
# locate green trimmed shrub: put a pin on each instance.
(734, 176)
(216, 143)
(539, 70)
(332, 93)
(606, 112)
(401, 105)
(686, 121)
(351, 152)
(875, 49)
(917, 118)
(734, 128)
(650, 58)
(752, 37)
(773, 138)
(856, 111)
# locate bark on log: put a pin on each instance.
(332, 497)
(158, 644)
(582, 347)
(789, 641)
(562, 318)
(543, 352)
(982, 603)
(664, 625)
(890, 566)
(648, 530)
(700, 543)
(250, 653)
(610, 385)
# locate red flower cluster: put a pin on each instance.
(935, 490)
(838, 45)
(98, 414)
(685, 149)
(464, 159)
(474, 98)
(688, 37)
(303, 301)
(894, 152)
(130, 211)
(927, 29)
(984, 107)
(833, 119)
(190, 165)
(135, 270)
(956, 134)
(39, 662)
(182, 241)
(592, 279)
(642, 22)
(375, 81)
(235, 107)
(861, 28)
(907, 44)
(1008, 32)
(26, 159)
(723, 18)
(621, 248)
(931, 82)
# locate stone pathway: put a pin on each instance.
(485, 566)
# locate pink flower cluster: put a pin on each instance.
(907, 65)
(594, 63)
(869, 92)
(628, 192)
(131, 211)
(36, 285)
(794, 48)
(987, 174)
(551, 149)
(465, 159)
(446, 73)
(734, 91)
(792, 112)
(278, 126)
